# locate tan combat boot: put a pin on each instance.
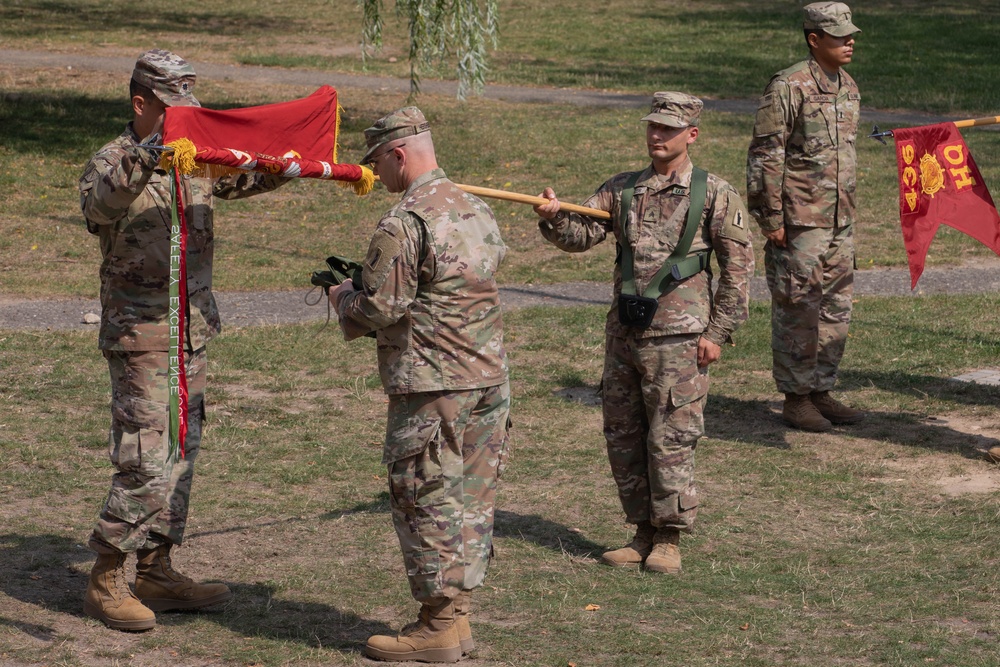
(800, 412)
(834, 410)
(162, 588)
(665, 557)
(109, 598)
(463, 607)
(993, 454)
(433, 638)
(635, 552)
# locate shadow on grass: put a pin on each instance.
(924, 386)
(50, 572)
(41, 632)
(68, 125)
(255, 612)
(511, 525)
(545, 533)
(759, 422)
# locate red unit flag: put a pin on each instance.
(939, 182)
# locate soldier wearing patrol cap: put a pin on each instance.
(801, 178)
(665, 326)
(125, 198)
(430, 295)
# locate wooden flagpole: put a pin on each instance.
(529, 199)
(879, 135)
(976, 122)
(533, 201)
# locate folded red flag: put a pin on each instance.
(293, 139)
(939, 182)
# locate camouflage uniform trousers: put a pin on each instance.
(442, 493)
(653, 398)
(812, 283)
(148, 502)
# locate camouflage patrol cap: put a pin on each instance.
(169, 76)
(404, 122)
(833, 18)
(674, 109)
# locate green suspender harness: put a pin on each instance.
(637, 311)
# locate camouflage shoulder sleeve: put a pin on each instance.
(733, 223)
(770, 117)
(389, 277)
(733, 250)
(766, 156)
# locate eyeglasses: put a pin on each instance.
(373, 160)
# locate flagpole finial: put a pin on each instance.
(878, 135)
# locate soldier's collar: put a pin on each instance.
(826, 84)
(654, 182)
(130, 129)
(424, 178)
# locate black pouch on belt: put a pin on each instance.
(636, 311)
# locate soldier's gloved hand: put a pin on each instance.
(340, 292)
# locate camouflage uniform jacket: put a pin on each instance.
(802, 164)
(125, 198)
(656, 220)
(430, 293)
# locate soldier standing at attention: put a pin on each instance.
(801, 177)
(126, 200)
(665, 326)
(431, 298)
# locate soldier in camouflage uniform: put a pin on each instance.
(431, 298)
(655, 380)
(126, 200)
(801, 178)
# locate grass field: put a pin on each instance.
(873, 545)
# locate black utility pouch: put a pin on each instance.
(636, 311)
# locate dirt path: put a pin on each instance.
(123, 66)
(255, 308)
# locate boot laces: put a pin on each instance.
(168, 569)
(423, 620)
(121, 584)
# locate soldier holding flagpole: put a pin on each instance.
(126, 200)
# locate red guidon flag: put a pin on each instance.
(293, 139)
(939, 182)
